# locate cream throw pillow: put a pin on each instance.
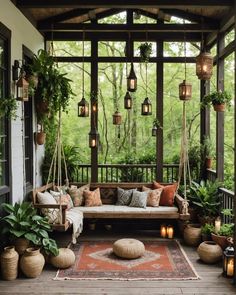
(47, 199)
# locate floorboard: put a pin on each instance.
(211, 282)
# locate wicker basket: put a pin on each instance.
(192, 234)
(32, 262)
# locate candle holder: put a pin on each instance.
(163, 231)
(170, 232)
(217, 224)
(228, 262)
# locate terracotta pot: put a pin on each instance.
(9, 263)
(192, 234)
(40, 137)
(64, 259)
(219, 107)
(32, 263)
(220, 240)
(209, 252)
(21, 244)
(208, 163)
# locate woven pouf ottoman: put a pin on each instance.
(65, 259)
(128, 248)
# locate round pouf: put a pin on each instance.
(209, 252)
(128, 248)
(64, 259)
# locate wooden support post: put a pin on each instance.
(159, 112)
(220, 115)
(94, 116)
(205, 112)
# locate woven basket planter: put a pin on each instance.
(192, 234)
(32, 262)
(9, 263)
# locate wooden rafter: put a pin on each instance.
(130, 28)
(122, 3)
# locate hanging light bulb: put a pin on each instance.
(204, 66)
(83, 105)
(127, 101)
(132, 80)
(185, 89)
(93, 138)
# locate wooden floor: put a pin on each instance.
(211, 281)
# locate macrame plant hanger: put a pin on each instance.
(184, 167)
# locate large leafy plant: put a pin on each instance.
(23, 221)
(8, 107)
(205, 197)
(217, 97)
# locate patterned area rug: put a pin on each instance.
(163, 260)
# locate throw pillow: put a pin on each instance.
(153, 198)
(92, 198)
(124, 196)
(139, 199)
(47, 199)
(77, 194)
(168, 193)
(63, 199)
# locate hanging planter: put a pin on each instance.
(145, 51)
(219, 99)
(40, 137)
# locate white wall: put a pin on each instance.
(23, 33)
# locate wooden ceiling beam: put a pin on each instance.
(122, 36)
(122, 3)
(180, 28)
(189, 16)
(108, 13)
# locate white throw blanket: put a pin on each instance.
(76, 219)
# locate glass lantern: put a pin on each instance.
(83, 108)
(185, 90)
(154, 130)
(228, 262)
(127, 101)
(204, 66)
(132, 80)
(117, 118)
(22, 89)
(93, 138)
(146, 107)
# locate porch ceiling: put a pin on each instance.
(66, 17)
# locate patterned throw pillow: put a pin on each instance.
(47, 199)
(168, 193)
(92, 198)
(124, 196)
(77, 194)
(139, 199)
(63, 199)
(153, 198)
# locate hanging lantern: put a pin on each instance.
(83, 108)
(146, 107)
(93, 138)
(117, 118)
(228, 262)
(127, 101)
(22, 89)
(15, 70)
(132, 80)
(185, 90)
(204, 66)
(154, 130)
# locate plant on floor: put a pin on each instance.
(8, 107)
(22, 221)
(205, 197)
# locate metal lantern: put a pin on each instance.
(132, 80)
(146, 107)
(185, 90)
(22, 89)
(117, 118)
(154, 130)
(83, 108)
(93, 138)
(127, 101)
(204, 66)
(15, 70)
(228, 262)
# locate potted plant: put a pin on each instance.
(22, 221)
(8, 107)
(208, 151)
(204, 197)
(53, 90)
(219, 99)
(145, 51)
(206, 231)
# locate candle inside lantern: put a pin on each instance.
(132, 84)
(163, 231)
(204, 68)
(93, 143)
(217, 224)
(170, 232)
(230, 268)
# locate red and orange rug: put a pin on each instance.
(163, 260)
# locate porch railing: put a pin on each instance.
(126, 173)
